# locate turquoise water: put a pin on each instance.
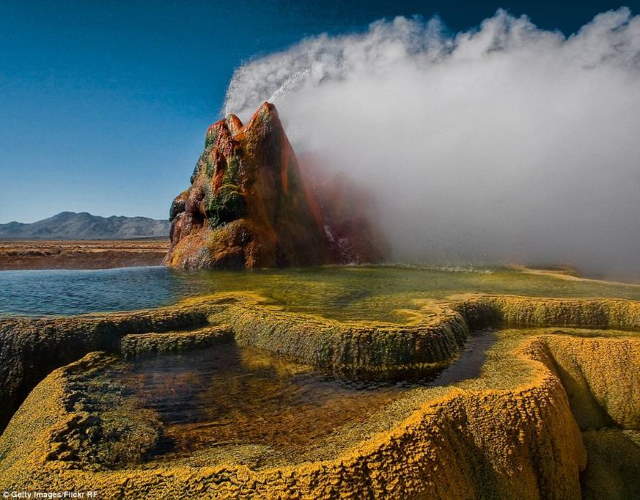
(60, 291)
(349, 292)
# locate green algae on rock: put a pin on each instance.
(151, 343)
(245, 206)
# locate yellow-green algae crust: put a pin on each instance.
(31, 348)
(615, 314)
(518, 441)
(431, 337)
(601, 377)
(135, 345)
(614, 464)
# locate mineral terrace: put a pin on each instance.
(555, 412)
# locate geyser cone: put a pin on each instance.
(246, 206)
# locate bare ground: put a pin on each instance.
(81, 254)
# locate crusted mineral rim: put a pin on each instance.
(520, 440)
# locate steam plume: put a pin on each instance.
(507, 143)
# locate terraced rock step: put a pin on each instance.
(152, 343)
(600, 375)
(364, 350)
(432, 337)
(518, 430)
(31, 348)
(499, 435)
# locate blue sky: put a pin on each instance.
(103, 104)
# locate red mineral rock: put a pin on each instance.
(247, 205)
(346, 212)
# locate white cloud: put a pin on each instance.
(506, 143)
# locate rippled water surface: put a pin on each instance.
(60, 291)
(350, 292)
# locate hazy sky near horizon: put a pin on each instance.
(103, 105)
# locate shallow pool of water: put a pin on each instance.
(61, 291)
(349, 292)
(230, 395)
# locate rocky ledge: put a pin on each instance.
(546, 404)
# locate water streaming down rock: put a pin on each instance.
(248, 206)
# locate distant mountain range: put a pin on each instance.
(84, 226)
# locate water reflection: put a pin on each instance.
(228, 394)
(62, 291)
(344, 293)
(235, 395)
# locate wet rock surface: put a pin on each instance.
(145, 344)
